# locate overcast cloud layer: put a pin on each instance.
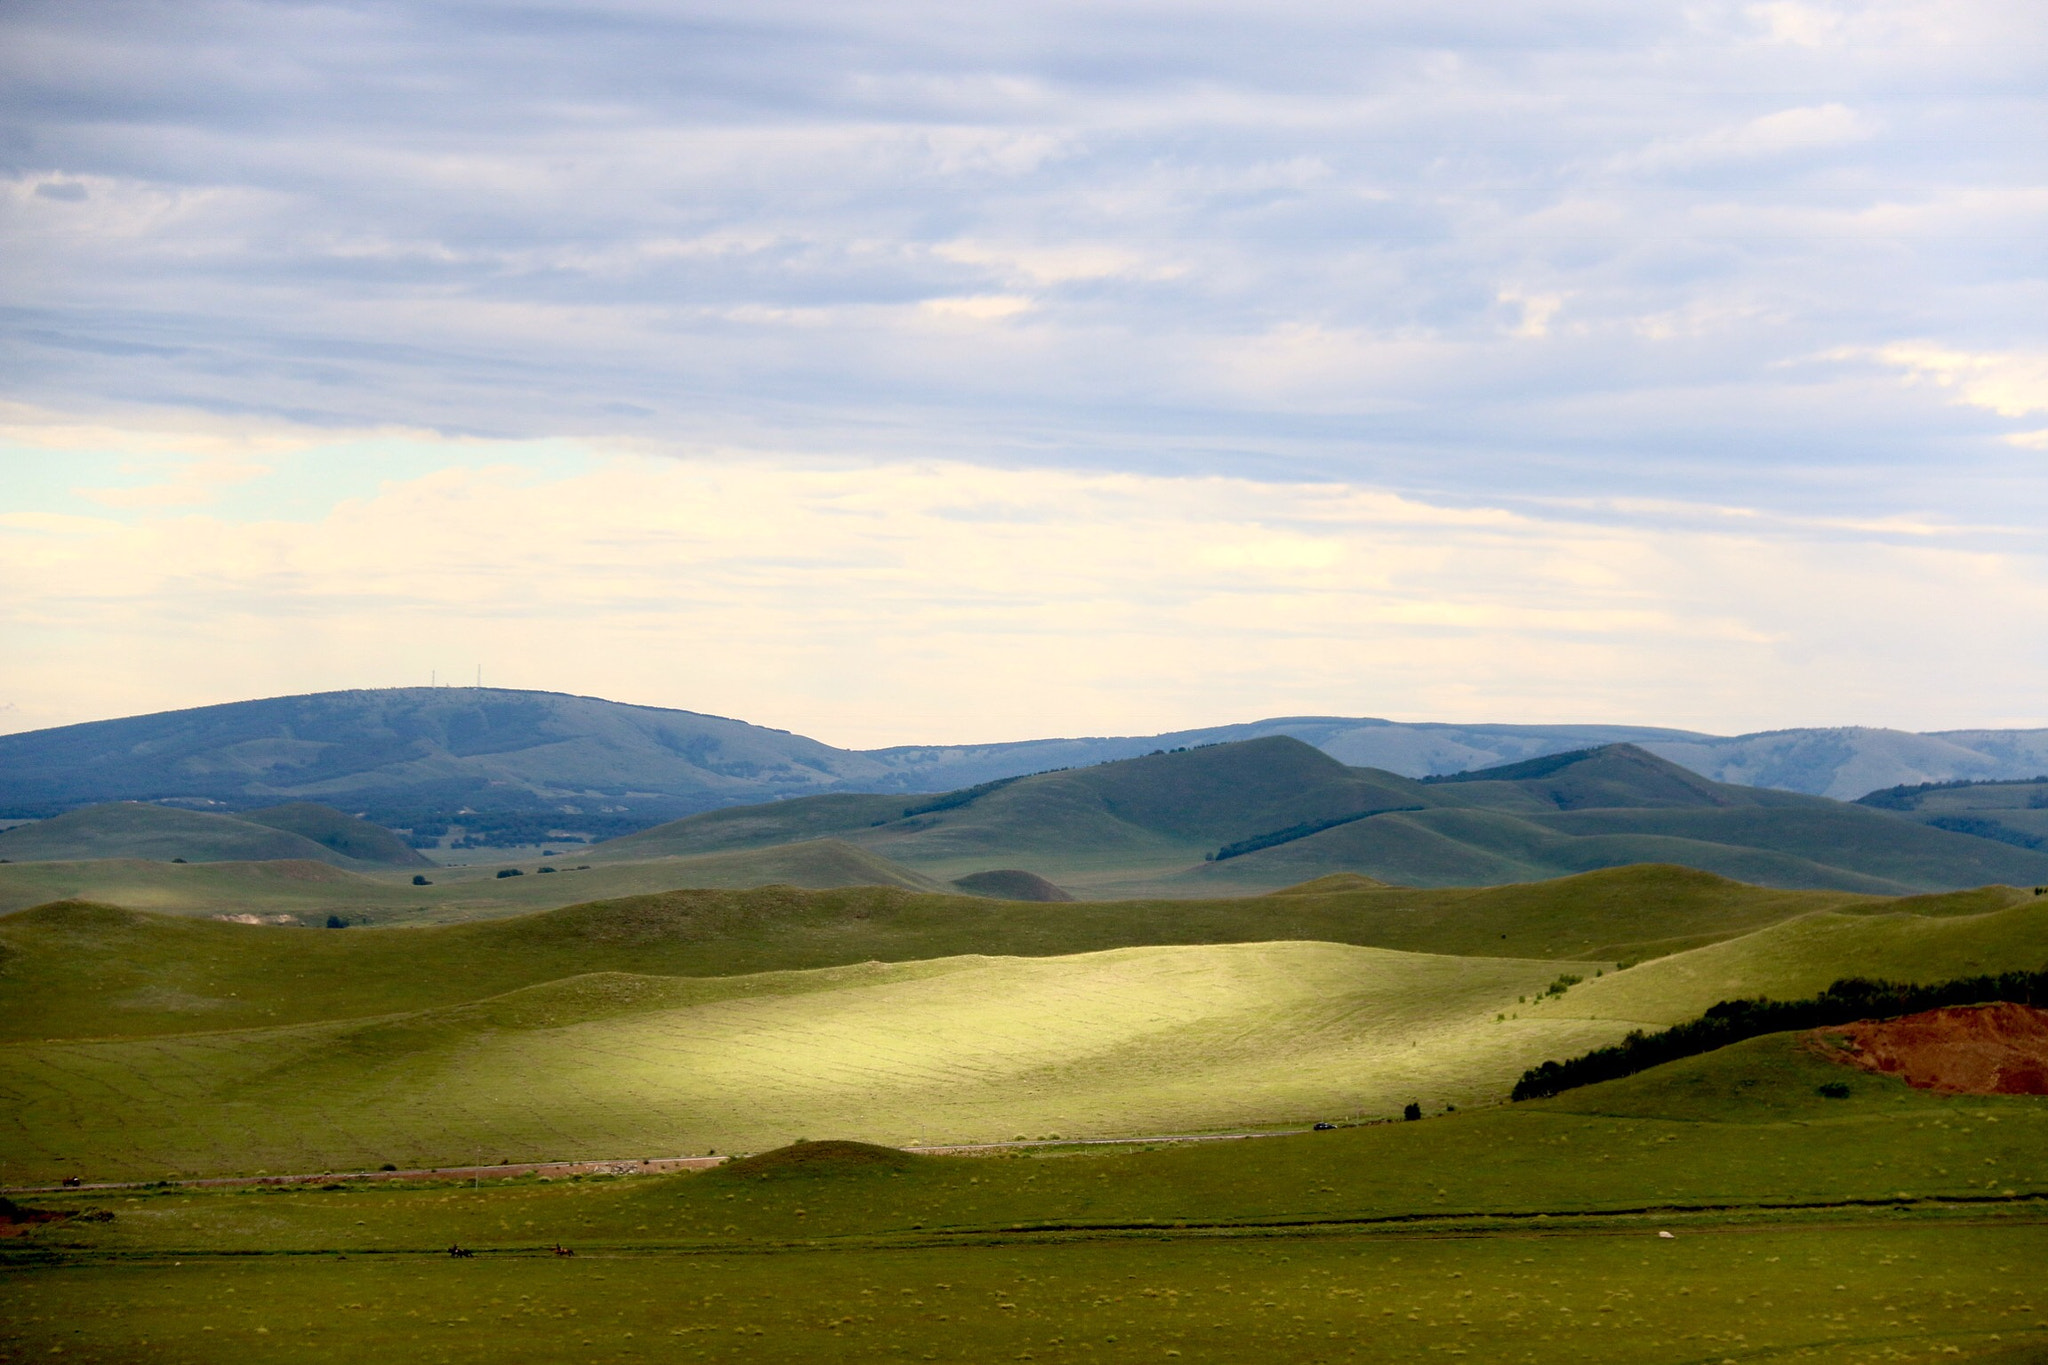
(1642, 271)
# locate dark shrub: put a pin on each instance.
(336, 922)
(1412, 1112)
(420, 880)
(510, 872)
(1833, 1090)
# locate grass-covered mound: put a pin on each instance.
(1332, 884)
(832, 1157)
(1011, 884)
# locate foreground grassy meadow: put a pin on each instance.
(523, 1040)
(1891, 1224)
(970, 1049)
(1814, 1212)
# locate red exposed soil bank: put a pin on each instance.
(1963, 1050)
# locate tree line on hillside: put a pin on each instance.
(1733, 1021)
(1301, 831)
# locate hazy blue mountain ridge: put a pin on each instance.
(510, 765)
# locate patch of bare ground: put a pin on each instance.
(1999, 1049)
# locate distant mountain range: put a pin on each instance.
(514, 767)
(1267, 813)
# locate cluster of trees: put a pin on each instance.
(1734, 1021)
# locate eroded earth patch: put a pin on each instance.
(1999, 1049)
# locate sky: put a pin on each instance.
(903, 372)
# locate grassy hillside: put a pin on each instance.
(1010, 884)
(309, 892)
(1775, 847)
(2014, 813)
(1162, 809)
(1800, 956)
(964, 1049)
(813, 863)
(1273, 811)
(345, 834)
(620, 1059)
(301, 888)
(133, 830)
(1501, 1235)
(70, 970)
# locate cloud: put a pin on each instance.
(1537, 311)
(1211, 238)
(939, 600)
(2011, 385)
(187, 485)
(1785, 132)
(1209, 359)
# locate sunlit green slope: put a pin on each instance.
(1799, 957)
(964, 1049)
(80, 969)
(953, 1049)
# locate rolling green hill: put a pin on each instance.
(132, 830)
(69, 970)
(1257, 815)
(128, 829)
(1159, 810)
(308, 892)
(958, 1048)
(347, 835)
(978, 1049)
(1800, 956)
(2013, 813)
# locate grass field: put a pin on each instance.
(1888, 1225)
(97, 971)
(964, 1049)
(607, 1063)
(310, 891)
(1798, 957)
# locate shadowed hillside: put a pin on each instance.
(345, 834)
(1272, 812)
(162, 833)
(1620, 804)
(2013, 813)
